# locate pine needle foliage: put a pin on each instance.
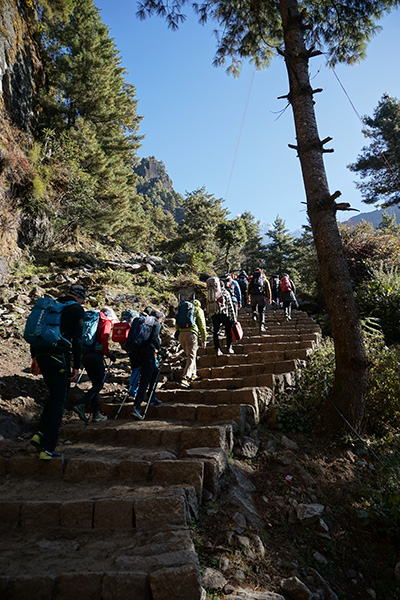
(89, 103)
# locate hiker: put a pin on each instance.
(93, 361)
(142, 355)
(274, 283)
(260, 293)
(287, 295)
(55, 366)
(190, 324)
(243, 284)
(233, 287)
(224, 315)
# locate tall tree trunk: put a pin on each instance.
(351, 374)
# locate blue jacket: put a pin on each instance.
(236, 291)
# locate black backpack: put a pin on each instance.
(257, 283)
(275, 284)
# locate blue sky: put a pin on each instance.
(195, 119)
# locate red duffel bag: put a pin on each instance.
(237, 331)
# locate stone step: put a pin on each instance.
(259, 344)
(266, 337)
(244, 370)
(99, 563)
(245, 415)
(165, 435)
(200, 397)
(270, 356)
(115, 506)
(85, 462)
(277, 315)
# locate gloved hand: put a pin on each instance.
(113, 356)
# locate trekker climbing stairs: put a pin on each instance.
(112, 516)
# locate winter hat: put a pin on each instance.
(78, 290)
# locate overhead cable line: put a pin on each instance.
(241, 129)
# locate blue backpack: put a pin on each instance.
(185, 315)
(43, 324)
(139, 332)
(89, 333)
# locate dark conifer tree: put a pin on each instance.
(89, 98)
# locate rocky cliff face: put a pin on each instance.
(18, 64)
(152, 169)
(20, 71)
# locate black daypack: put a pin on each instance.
(185, 315)
(257, 283)
(275, 284)
(139, 332)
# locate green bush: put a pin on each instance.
(380, 297)
(298, 410)
(383, 408)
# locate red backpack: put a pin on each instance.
(285, 285)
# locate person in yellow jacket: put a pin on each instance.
(189, 340)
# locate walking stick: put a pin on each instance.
(153, 389)
(135, 380)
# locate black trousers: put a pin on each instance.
(143, 357)
(258, 302)
(94, 365)
(218, 320)
(56, 371)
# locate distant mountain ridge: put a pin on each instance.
(374, 217)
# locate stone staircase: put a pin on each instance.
(111, 519)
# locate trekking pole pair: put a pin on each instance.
(132, 387)
(154, 386)
(152, 390)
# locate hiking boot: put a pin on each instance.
(219, 352)
(185, 383)
(47, 455)
(136, 414)
(155, 401)
(231, 350)
(79, 409)
(97, 417)
(36, 441)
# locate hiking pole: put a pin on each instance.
(153, 388)
(131, 384)
(106, 373)
(80, 377)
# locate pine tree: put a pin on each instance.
(280, 251)
(88, 98)
(231, 235)
(196, 232)
(379, 163)
(253, 250)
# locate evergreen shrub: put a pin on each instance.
(380, 297)
(298, 410)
